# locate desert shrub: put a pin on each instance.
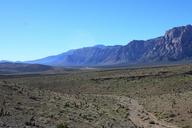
(63, 125)
(152, 122)
(187, 126)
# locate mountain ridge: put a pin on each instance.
(11, 67)
(174, 45)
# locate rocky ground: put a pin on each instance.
(27, 107)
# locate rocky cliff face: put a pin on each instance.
(175, 45)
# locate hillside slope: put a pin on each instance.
(8, 67)
(24, 107)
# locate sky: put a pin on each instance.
(32, 29)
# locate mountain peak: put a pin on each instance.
(99, 46)
(177, 32)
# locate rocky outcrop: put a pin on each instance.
(176, 44)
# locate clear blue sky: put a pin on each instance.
(31, 29)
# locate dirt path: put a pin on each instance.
(140, 117)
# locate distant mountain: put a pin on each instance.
(4, 61)
(8, 67)
(175, 45)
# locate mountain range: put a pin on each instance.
(174, 45)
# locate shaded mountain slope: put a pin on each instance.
(8, 67)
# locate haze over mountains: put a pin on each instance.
(175, 45)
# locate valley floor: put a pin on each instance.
(158, 97)
(30, 107)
